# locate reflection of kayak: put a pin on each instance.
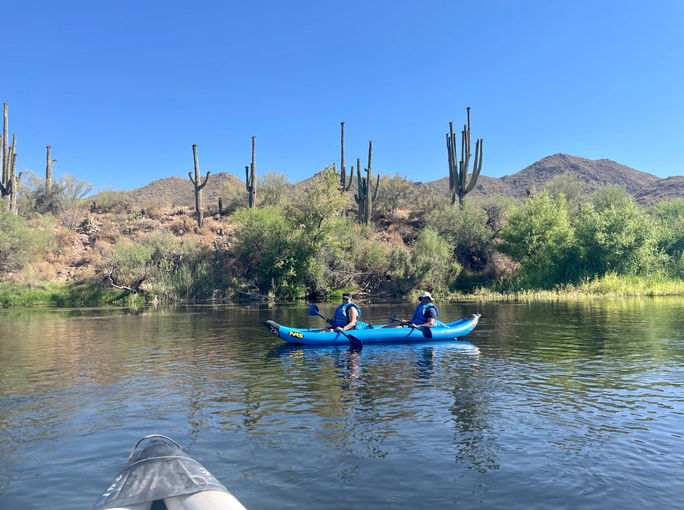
(375, 334)
(160, 475)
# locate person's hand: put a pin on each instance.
(404, 323)
(339, 329)
(412, 325)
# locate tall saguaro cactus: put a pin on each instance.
(343, 169)
(9, 182)
(197, 182)
(365, 194)
(4, 183)
(250, 177)
(459, 186)
(48, 169)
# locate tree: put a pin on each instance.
(669, 219)
(539, 236)
(467, 231)
(274, 187)
(614, 234)
(393, 193)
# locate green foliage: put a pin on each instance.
(318, 211)
(271, 255)
(393, 193)
(19, 244)
(669, 233)
(127, 267)
(64, 194)
(466, 229)
(273, 189)
(569, 185)
(614, 234)
(234, 196)
(110, 201)
(61, 294)
(538, 235)
(428, 264)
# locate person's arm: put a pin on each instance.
(431, 316)
(353, 316)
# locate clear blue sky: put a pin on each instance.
(121, 90)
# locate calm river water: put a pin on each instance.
(545, 406)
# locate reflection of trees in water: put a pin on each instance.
(365, 427)
(474, 439)
(425, 363)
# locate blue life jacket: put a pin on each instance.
(419, 315)
(341, 318)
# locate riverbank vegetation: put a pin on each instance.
(303, 242)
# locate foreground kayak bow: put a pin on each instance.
(161, 473)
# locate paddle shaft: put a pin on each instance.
(354, 342)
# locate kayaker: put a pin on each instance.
(426, 313)
(346, 315)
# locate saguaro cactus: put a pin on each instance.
(365, 195)
(48, 169)
(343, 170)
(250, 176)
(459, 186)
(197, 182)
(4, 182)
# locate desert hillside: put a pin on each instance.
(645, 187)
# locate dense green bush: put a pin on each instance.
(272, 189)
(19, 244)
(393, 193)
(467, 231)
(669, 233)
(614, 234)
(428, 264)
(539, 236)
(570, 186)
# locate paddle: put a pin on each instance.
(427, 332)
(354, 342)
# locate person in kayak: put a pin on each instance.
(425, 315)
(346, 315)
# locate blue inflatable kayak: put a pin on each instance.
(374, 334)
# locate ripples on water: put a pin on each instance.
(546, 406)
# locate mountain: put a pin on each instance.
(180, 192)
(645, 187)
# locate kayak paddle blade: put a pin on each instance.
(427, 332)
(313, 310)
(354, 343)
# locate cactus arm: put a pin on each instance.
(377, 185)
(205, 181)
(477, 166)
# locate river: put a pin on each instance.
(545, 405)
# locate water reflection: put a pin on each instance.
(572, 399)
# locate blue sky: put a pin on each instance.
(121, 90)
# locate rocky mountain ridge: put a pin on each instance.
(645, 187)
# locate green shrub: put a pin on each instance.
(539, 236)
(614, 234)
(427, 264)
(393, 193)
(467, 231)
(19, 244)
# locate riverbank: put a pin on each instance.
(90, 294)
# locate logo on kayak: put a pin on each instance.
(296, 334)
